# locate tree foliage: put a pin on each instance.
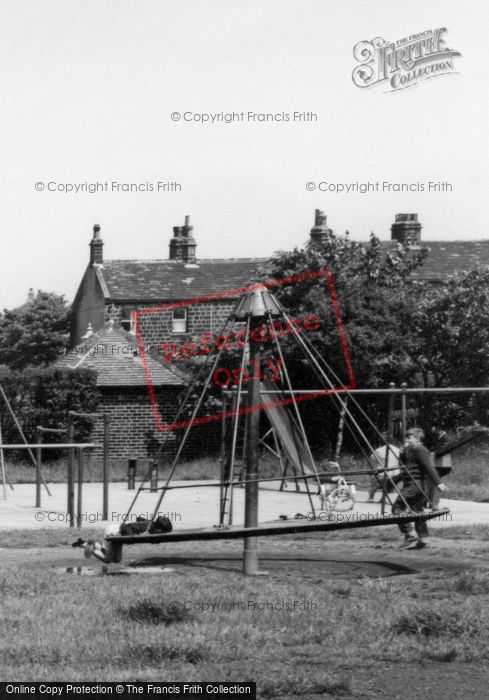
(452, 324)
(376, 297)
(398, 330)
(32, 337)
(35, 333)
(452, 328)
(43, 396)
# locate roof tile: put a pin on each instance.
(167, 280)
(114, 355)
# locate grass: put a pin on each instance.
(45, 537)
(301, 636)
(213, 624)
(56, 471)
(156, 612)
(472, 583)
(210, 624)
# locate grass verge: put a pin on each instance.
(296, 636)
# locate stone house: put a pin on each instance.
(111, 291)
(115, 289)
(121, 381)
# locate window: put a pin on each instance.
(179, 320)
(128, 320)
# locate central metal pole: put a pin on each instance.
(250, 553)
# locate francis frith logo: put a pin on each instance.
(403, 63)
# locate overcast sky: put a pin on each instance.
(88, 91)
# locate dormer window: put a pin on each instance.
(179, 320)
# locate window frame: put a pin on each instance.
(175, 321)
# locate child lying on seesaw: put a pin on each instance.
(104, 553)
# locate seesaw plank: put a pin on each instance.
(277, 527)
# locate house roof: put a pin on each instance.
(115, 357)
(166, 280)
(446, 258)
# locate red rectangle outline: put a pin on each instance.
(236, 293)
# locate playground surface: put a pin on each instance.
(343, 568)
(197, 505)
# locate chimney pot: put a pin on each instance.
(96, 247)
(406, 229)
(183, 245)
(320, 231)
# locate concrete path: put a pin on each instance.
(197, 506)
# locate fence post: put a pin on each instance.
(131, 474)
(106, 468)
(403, 411)
(38, 466)
(71, 459)
(390, 417)
(81, 458)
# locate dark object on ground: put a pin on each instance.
(160, 525)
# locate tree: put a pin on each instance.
(377, 298)
(43, 396)
(35, 333)
(33, 336)
(452, 323)
(452, 327)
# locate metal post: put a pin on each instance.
(250, 553)
(81, 459)
(390, 411)
(154, 475)
(106, 468)
(71, 484)
(131, 475)
(341, 427)
(222, 456)
(4, 476)
(403, 411)
(38, 466)
(390, 438)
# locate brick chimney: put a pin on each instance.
(406, 230)
(183, 245)
(320, 232)
(96, 247)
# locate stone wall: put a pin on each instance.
(131, 421)
(132, 429)
(156, 327)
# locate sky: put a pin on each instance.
(89, 89)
